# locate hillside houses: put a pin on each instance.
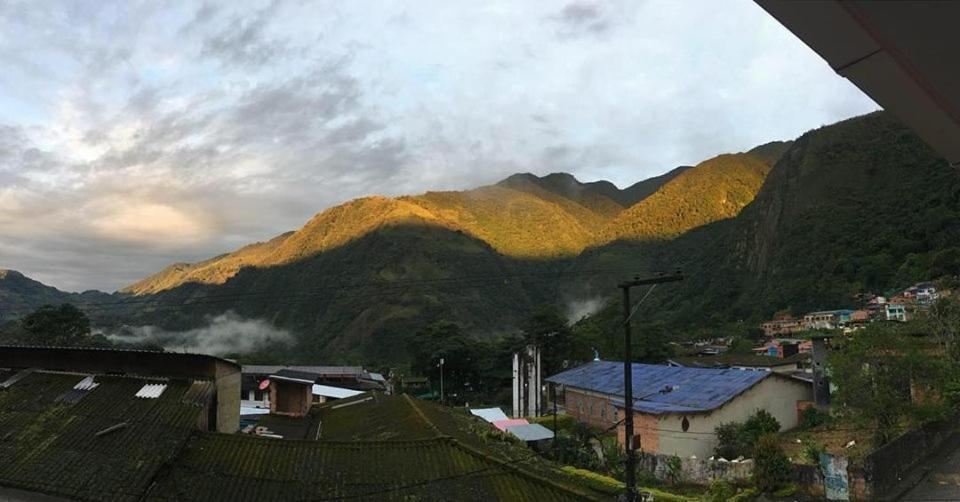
(895, 305)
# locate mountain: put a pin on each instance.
(20, 294)
(524, 216)
(715, 189)
(858, 206)
(862, 205)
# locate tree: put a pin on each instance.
(62, 326)
(461, 358)
(888, 373)
(736, 439)
(771, 467)
(548, 329)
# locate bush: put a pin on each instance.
(813, 417)
(720, 491)
(738, 439)
(594, 480)
(811, 451)
(771, 468)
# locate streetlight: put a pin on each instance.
(441, 380)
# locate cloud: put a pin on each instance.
(224, 334)
(580, 18)
(145, 133)
(578, 309)
(243, 41)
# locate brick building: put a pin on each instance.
(678, 408)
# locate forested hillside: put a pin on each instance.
(859, 206)
(862, 205)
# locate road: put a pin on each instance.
(941, 483)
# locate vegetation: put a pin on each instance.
(771, 467)
(862, 205)
(56, 326)
(737, 439)
(890, 376)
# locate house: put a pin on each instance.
(106, 425)
(97, 424)
(897, 312)
(218, 379)
(678, 408)
(827, 319)
(354, 378)
(788, 364)
(780, 348)
(782, 326)
(291, 392)
(925, 294)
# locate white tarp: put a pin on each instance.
(490, 414)
(530, 432)
(334, 392)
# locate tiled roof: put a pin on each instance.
(375, 448)
(296, 375)
(109, 445)
(264, 369)
(748, 360)
(691, 390)
(52, 445)
(234, 467)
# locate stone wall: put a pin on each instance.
(694, 470)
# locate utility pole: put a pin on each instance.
(628, 375)
(441, 380)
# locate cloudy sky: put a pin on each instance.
(138, 133)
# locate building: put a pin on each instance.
(97, 424)
(220, 375)
(354, 378)
(782, 326)
(780, 348)
(291, 392)
(897, 312)
(678, 408)
(108, 425)
(827, 319)
(788, 364)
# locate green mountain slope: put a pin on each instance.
(859, 206)
(713, 190)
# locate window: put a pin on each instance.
(685, 424)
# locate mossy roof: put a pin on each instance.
(375, 448)
(51, 445)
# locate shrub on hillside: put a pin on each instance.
(737, 439)
(771, 467)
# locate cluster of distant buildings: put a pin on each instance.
(897, 305)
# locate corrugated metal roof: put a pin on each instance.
(295, 376)
(503, 424)
(663, 389)
(490, 414)
(335, 392)
(264, 369)
(530, 432)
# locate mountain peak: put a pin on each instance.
(12, 274)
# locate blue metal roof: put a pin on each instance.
(692, 390)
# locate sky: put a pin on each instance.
(135, 134)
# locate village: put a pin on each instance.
(703, 423)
